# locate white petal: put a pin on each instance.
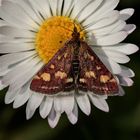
(119, 27)
(115, 27)
(111, 39)
(129, 28)
(59, 7)
(4, 71)
(115, 56)
(73, 117)
(53, 118)
(4, 38)
(126, 72)
(110, 19)
(46, 107)
(68, 5)
(15, 32)
(16, 16)
(37, 9)
(125, 81)
(23, 96)
(78, 7)
(41, 7)
(53, 6)
(57, 104)
(110, 64)
(44, 8)
(125, 48)
(126, 13)
(10, 95)
(19, 70)
(13, 58)
(7, 40)
(67, 103)
(89, 9)
(99, 102)
(28, 9)
(21, 80)
(121, 91)
(106, 7)
(3, 23)
(84, 103)
(16, 47)
(108, 29)
(1, 85)
(33, 103)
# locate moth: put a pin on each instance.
(75, 67)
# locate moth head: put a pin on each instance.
(75, 33)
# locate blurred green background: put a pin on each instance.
(121, 123)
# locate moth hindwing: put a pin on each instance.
(74, 67)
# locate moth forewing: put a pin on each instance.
(94, 74)
(55, 77)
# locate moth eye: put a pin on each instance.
(60, 42)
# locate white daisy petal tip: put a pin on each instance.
(99, 102)
(127, 48)
(125, 14)
(21, 99)
(2, 86)
(10, 95)
(126, 72)
(121, 91)
(131, 49)
(33, 103)
(125, 81)
(29, 113)
(53, 123)
(67, 103)
(53, 118)
(84, 104)
(45, 107)
(129, 28)
(72, 118)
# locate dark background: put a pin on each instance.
(121, 123)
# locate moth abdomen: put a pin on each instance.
(75, 66)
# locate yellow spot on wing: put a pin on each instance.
(46, 77)
(65, 55)
(92, 58)
(82, 80)
(104, 78)
(69, 80)
(60, 75)
(90, 74)
(98, 67)
(59, 57)
(52, 66)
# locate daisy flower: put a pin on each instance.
(32, 31)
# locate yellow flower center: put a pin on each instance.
(53, 34)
